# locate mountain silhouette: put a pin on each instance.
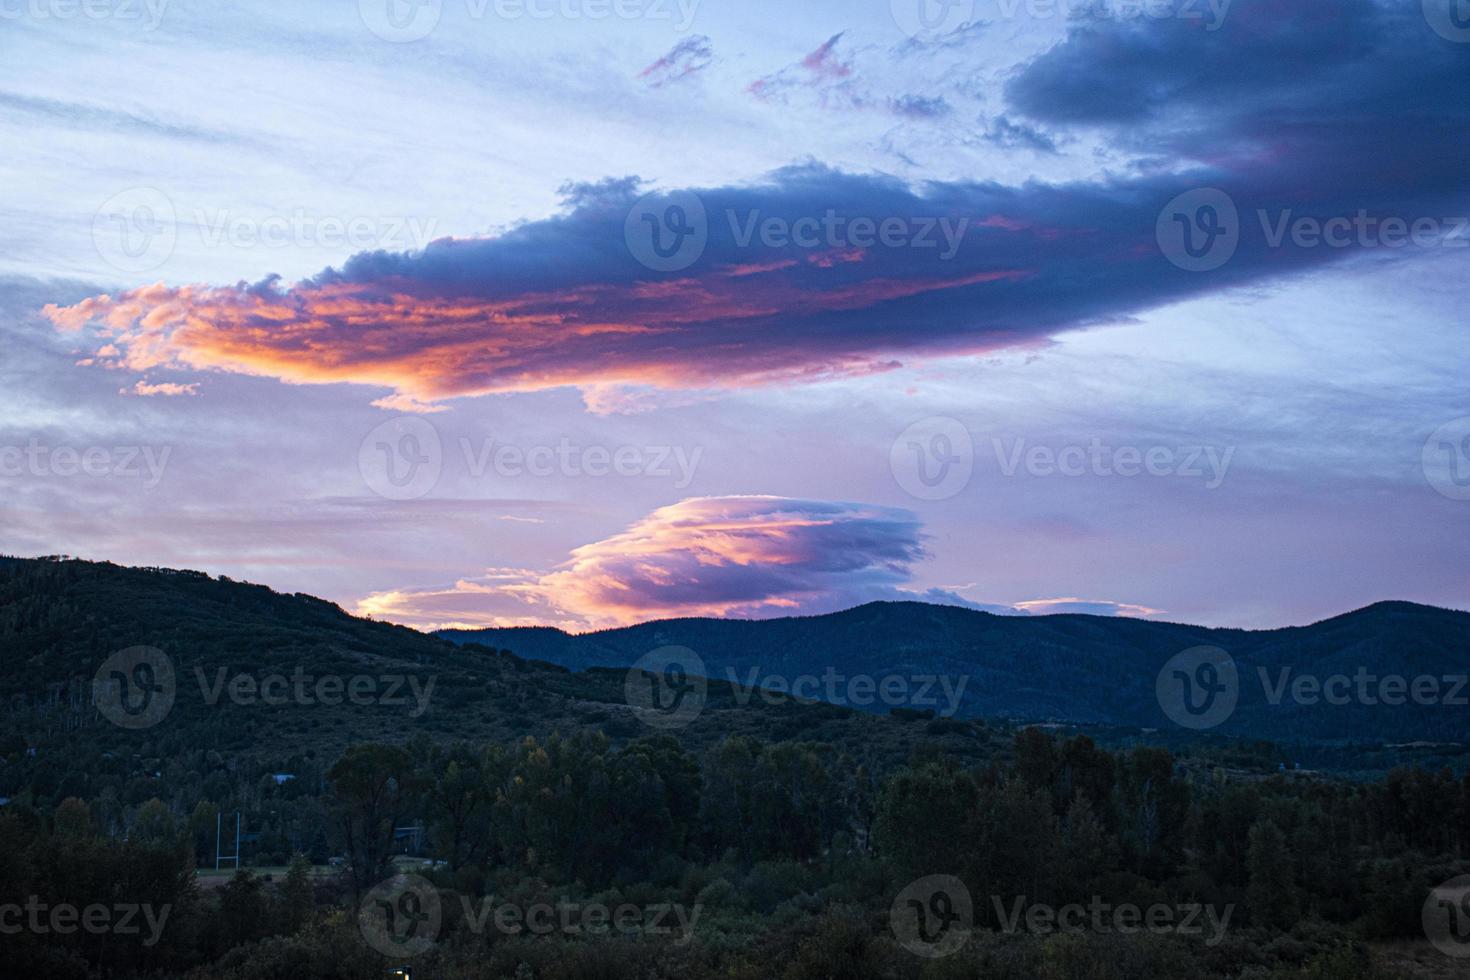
(1079, 668)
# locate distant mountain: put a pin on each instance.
(1078, 669)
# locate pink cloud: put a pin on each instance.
(689, 57)
(166, 390)
(1088, 607)
(753, 556)
(750, 557)
(825, 72)
(824, 63)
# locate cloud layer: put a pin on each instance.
(799, 280)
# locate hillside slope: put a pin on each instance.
(236, 652)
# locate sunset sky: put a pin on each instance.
(489, 312)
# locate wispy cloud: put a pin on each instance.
(825, 63)
(166, 389)
(687, 58)
(1086, 607)
(78, 115)
(1011, 135)
(824, 70)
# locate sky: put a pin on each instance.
(589, 312)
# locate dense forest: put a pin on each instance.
(747, 860)
(527, 825)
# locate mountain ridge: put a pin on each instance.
(60, 619)
(1378, 605)
(1067, 667)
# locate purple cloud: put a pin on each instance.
(863, 272)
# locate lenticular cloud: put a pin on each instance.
(706, 556)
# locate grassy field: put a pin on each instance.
(213, 878)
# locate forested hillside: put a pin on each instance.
(1071, 668)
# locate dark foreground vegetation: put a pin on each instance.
(527, 825)
(748, 860)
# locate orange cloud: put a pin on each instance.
(673, 334)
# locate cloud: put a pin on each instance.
(1010, 135)
(920, 106)
(825, 63)
(1083, 607)
(740, 556)
(829, 79)
(164, 389)
(76, 115)
(1281, 86)
(823, 70)
(689, 57)
(752, 556)
(564, 301)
